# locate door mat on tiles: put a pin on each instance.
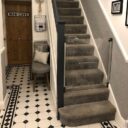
(107, 124)
(9, 113)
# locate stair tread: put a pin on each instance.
(75, 28)
(75, 25)
(83, 87)
(86, 92)
(68, 1)
(81, 58)
(83, 35)
(83, 71)
(72, 17)
(78, 114)
(69, 8)
(68, 4)
(75, 40)
(79, 45)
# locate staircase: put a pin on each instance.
(85, 97)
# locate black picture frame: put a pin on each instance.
(126, 19)
(117, 7)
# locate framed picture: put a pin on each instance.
(126, 19)
(117, 7)
(40, 23)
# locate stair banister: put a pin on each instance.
(60, 57)
(110, 40)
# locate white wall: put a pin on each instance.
(118, 24)
(2, 61)
(52, 35)
(38, 35)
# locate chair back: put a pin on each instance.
(41, 46)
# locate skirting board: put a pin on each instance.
(3, 104)
(118, 118)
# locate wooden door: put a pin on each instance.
(19, 32)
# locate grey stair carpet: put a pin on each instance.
(83, 76)
(72, 19)
(81, 62)
(85, 96)
(83, 87)
(77, 39)
(69, 11)
(67, 4)
(79, 50)
(75, 115)
(75, 28)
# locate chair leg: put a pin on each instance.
(31, 76)
(48, 83)
(34, 82)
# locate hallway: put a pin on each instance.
(32, 110)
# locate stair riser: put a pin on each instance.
(75, 29)
(69, 12)
(72, 80)
(78, 65)
(83, 39)
(86, 98)
(67, 4)
(86, 121)
(72, 20)
(79, 51)
(74, 41)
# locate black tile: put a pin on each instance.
(51, 126)
(49, 118)
(37, 105)
(48, 111)
(38, 120)
(46, 98)
(47, 104)
(25, 121)
(37, 112)
(26, 113)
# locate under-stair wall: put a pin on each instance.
(52, 38)
(2, 63)
(102, 32)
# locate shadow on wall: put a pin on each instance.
(119, 73)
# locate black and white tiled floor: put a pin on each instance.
(33, 109)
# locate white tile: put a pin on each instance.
(20, 111)
(115, 124)
(55, 122)
(44, 124)
(19, 118)
(97, 125)
(32, 109)
(32, 124)
(31, 117)
(43, 116)
(19, 125)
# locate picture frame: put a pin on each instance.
(126, 19)
(117, 7)
(40, 23)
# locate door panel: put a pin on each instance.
(19, 32)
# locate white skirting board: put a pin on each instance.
(3, 93)
(118, 118)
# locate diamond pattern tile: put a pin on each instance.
(28, 109)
